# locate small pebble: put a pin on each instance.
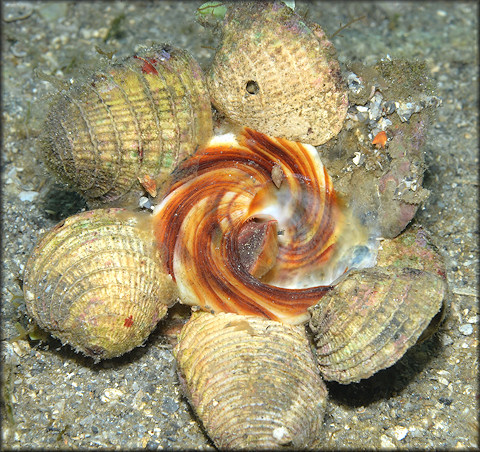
(466, 329)
(111, 394)
(279, 433)
(354, 82)
(443, 380)
(357, 158)
(389, 107)
(144, 203)
(445, 401)
(28, 196)
(152, 445)
(400, 432)
(169, 405)
(383, 123)
(415, 433)
(386, 442)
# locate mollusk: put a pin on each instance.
(278, 74)
(370, 319)
(96, 281)
(252, 381)
(252, 225)
(388, 181)
(133, 120)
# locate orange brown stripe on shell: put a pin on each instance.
(236, 241)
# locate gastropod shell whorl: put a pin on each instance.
(252, 381)
(133, 119)
(251, 225)
(277, 73)
(96, 281)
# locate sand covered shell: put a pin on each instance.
(277, 73)
(387, 178)
(133, 121)
(370, 319)
(251, 224)
(95, 281)
(252, 381)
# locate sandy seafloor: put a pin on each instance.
(56, 399)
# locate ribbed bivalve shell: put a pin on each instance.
(95, 281)
(133, 119)
(370, 319)
(277, 73)
(252, 381)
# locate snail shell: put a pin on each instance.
(95, 281)
(131, 121)
(371, 318)
(251, 225)
(252, 381)
(277, 73)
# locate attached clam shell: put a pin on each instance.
(95, 281)
(277, 73)
(252, 381)
(371, 318)
(133, 120)
(239, 238)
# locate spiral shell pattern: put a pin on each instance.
(134, 119)
(252, 381)
(96, 281)
(252, 225)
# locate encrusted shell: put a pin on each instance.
(134, 120)
(370, 319)
(387, 181)
(251, 225)
(252, 381)
(278, 74)
(95, 281)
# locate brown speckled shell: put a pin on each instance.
(134, 119)
(252, 381)
(371, 318)
(95, 281)
(278, 74)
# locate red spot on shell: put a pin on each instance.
(128, 321)
(148, 65)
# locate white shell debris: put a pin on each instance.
(145, 203)
(375, 107)
(400, 432)
(358, 159)
(376, 110)
(386, 442)
(355, 83)
(406, 109)
(466, 329)
(279, 433)
(382, 124)
(28, 196)
(111, 394)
